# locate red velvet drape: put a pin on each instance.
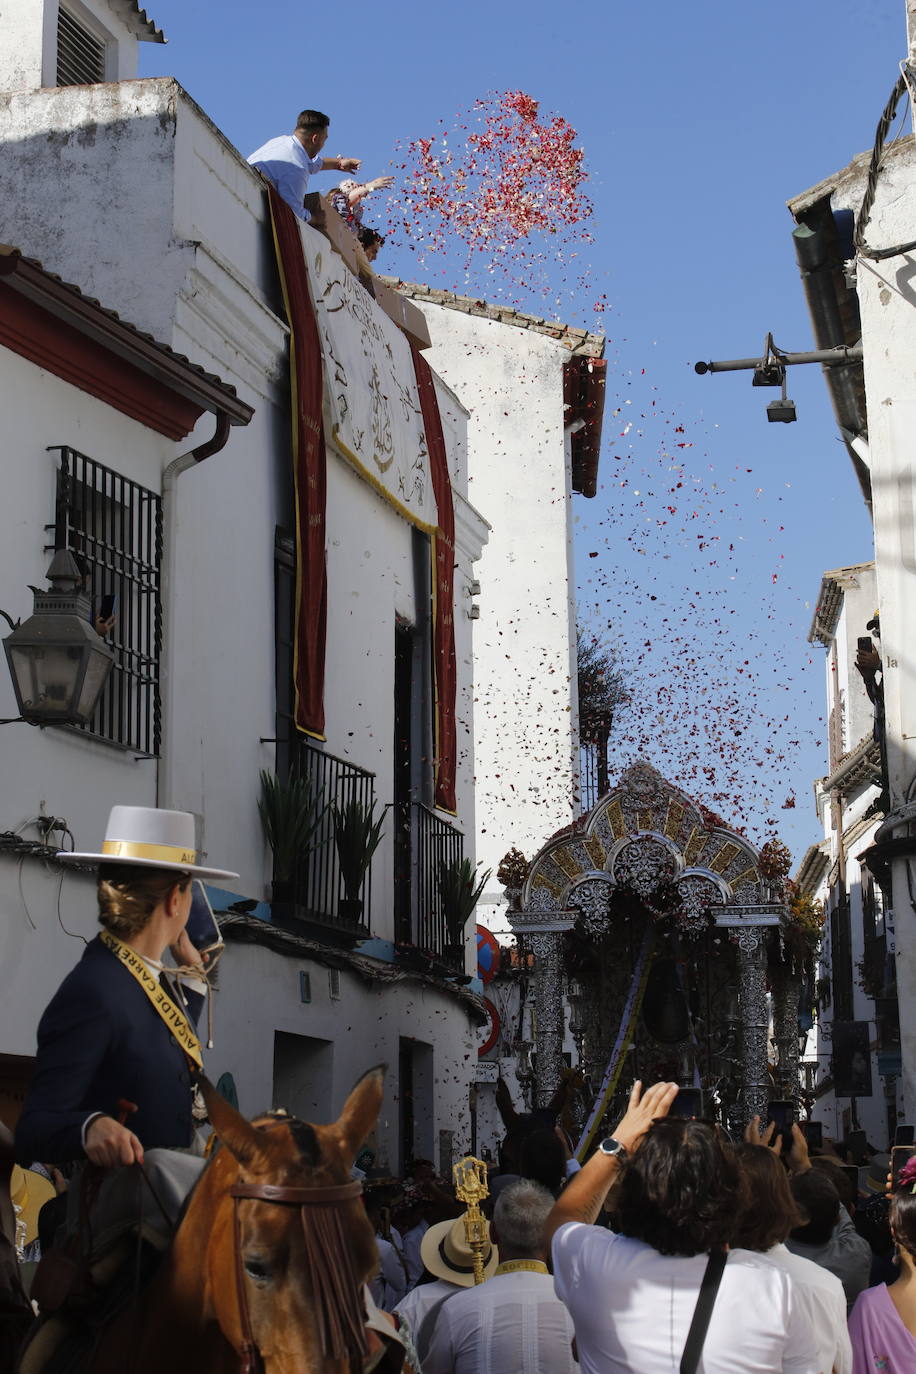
(445, 673)
(309, 471)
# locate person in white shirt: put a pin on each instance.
(288, 161)
(445, 1254)
(769, 1215)
(514, 1321)
(632, 1295)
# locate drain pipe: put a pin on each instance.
(169, 543)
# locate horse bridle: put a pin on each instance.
(333, 1196)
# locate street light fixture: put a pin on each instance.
(58, 663)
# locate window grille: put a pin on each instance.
(114, 527)
(80, 55)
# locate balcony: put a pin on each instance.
(318, 905)
(425, 939)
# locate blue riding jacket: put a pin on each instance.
(100, 1040)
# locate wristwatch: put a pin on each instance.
(613, 1147)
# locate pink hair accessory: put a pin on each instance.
(907, 1175)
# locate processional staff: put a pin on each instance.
(471, 1187)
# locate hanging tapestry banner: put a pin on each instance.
(309, 471)
(376, 418)
(445, 671)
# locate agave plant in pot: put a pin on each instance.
(357, 835)
(290, 814)
(459, 886)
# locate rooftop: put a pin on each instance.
(579, 341)
(830, 601)
(91, 318)
(138, 21)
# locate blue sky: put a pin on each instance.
(698, 123)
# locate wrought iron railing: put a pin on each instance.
(319, 894)
(435, 842)
(594, 779)
(114, 528)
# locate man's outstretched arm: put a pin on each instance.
(584, 1194)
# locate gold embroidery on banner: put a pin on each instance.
(543, 881)
(750, 875)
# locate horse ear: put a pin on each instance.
(504, 1105)
(361, 1109)
(240, 1138)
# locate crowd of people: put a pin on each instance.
(673, 1249)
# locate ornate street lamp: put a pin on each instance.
(58, 663)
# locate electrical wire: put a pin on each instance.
(901, 87)
(74, 935)
(25, 905)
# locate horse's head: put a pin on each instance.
(290, 1246)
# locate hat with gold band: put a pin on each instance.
(149, 837)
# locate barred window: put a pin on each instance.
(80, 55)
(113, 526)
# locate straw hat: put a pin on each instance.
(447, 1255)
(29, 1192)
(148, 837)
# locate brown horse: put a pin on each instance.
(266, 1269)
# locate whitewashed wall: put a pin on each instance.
(887, 300)
(56, 772)
(363, 1028)
(842, 681)
(525, 716)
(172, 236)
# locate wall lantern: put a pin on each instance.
(58, 663)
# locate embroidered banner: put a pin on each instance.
(309, 471)
(445, 671)
(377, 422)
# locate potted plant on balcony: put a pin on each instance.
(459, 886)
(357, 835)
(290, 815)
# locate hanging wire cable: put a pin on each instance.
(874, 171)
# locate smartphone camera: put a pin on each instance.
(688, 1105)
(900, 1156)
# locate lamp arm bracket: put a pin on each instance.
(13, 624)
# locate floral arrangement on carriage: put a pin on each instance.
(801, 929)
(511, 875)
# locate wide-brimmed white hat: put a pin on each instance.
(446, 1254)
(148, 837)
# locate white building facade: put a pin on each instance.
(852, 1055)
(856, 274)
(534, 390)
(126, 189)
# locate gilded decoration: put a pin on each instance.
(633, 871)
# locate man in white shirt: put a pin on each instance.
(513, 1322)
(287, 161)
(633, 1295)
(446, 1254)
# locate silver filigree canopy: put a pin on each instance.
(643, 864)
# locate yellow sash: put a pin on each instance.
(521, 1267)
(173, 1017)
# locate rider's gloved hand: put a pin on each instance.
(109, 1144)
